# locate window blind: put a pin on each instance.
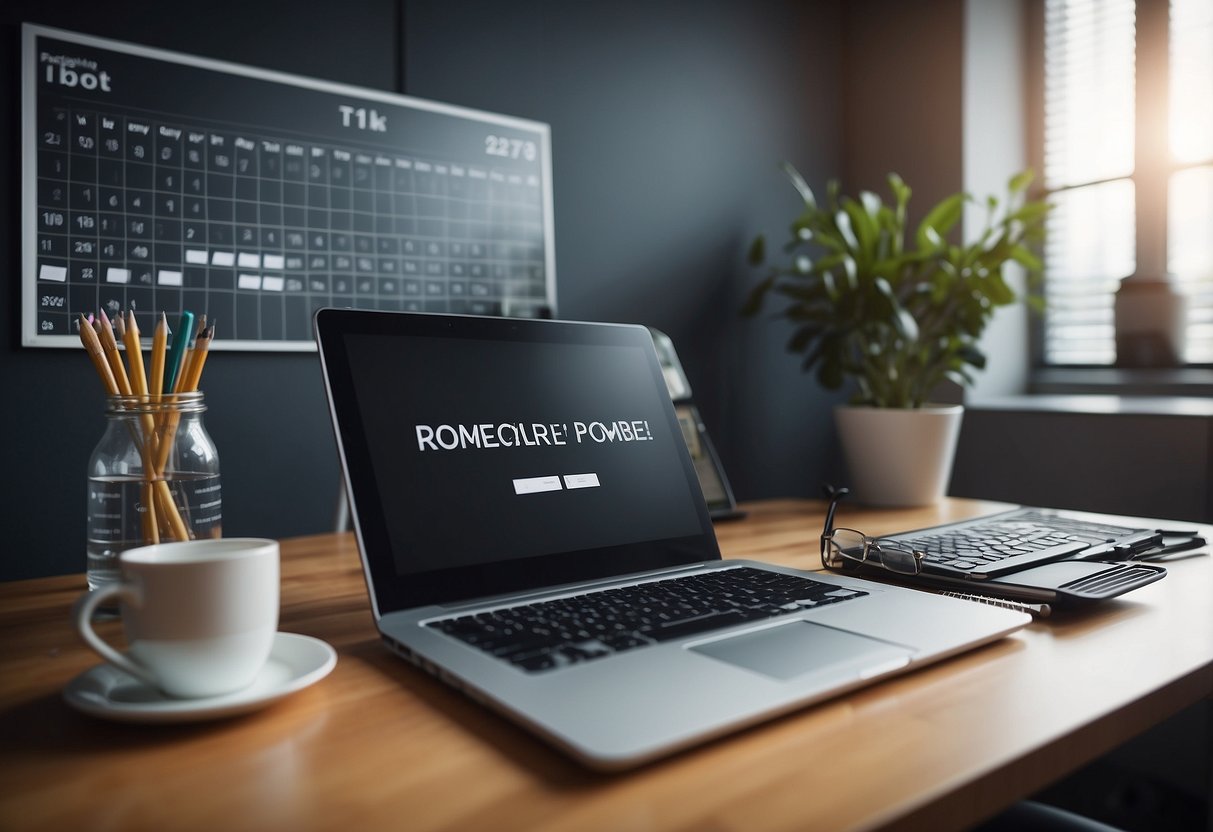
(1088, 159)
(1190, 190)
(1092, 169)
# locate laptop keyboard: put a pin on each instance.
(551, 634)
(1012, 541)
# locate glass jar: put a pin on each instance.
(153, 477)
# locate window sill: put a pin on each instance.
(1096, 404)
(1180, 381)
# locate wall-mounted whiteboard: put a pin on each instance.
(156, 181)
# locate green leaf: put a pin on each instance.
(843, 223)
(753, 303)
(829, 237)
(1026, 258)
(851, 271)
(959, 377)
(1020, 181)
(903, 321)
(810, 293)
(997, 290)
(1029, 212)
(940, 220)
(864, 225)
(830, 372)
(901, 191)
(806, 193)
(971, 355)
(831, 287)
(802, 338)
(758, 251)
(907, 327)
(871, 203)
(832, 188)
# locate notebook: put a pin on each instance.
(533, 533)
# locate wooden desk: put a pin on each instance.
(380, 745)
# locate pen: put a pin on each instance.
(181, 339)
(1034, 609)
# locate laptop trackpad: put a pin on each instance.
(802, 648)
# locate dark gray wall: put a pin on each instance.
(668, 121)
(903, 75)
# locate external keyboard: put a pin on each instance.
(1013, 541)
(551, 634)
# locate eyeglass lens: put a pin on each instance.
(853, 545)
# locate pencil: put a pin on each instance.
(134, 354)
(92, 346)
(202, 348)
(110, 344)
(159, 345)
(149, 448)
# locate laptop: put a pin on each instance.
(533, 533)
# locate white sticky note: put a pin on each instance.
(248, 261)
(248, 281)
(273, 261)
(167, 278)
(56, 273)
(536, 485)
(572, 481)
(271, 283)
(223, 258)
(116, 275)
(195, 256)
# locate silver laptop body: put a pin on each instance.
(496, 464)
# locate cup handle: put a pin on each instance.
(82, 616)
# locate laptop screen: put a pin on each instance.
(489, 455)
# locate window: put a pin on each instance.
(1128, 164)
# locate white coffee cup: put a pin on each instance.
(199, 616)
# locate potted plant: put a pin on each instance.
(896, 315)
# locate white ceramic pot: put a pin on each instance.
(899, 457)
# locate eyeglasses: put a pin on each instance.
(841, 545)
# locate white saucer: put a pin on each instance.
(295, 662)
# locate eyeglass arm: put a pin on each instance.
(833, 494)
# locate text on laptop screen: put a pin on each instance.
(491, 450)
